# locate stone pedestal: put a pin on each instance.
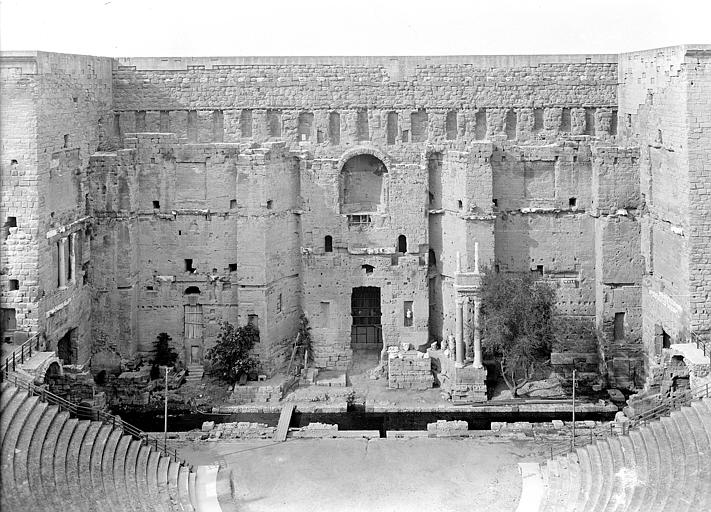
(465, 384)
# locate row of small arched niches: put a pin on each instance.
(512, 122)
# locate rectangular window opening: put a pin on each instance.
(232, 267)
(189, 265)
(14, 285)
(619, 327)
(156, 204)
(407, 313)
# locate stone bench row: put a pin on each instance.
(661, 466)
(51, 461)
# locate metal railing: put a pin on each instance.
(704, 346)
(19, 355)
(86, 412)
(666, 407)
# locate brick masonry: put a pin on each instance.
(201, 190)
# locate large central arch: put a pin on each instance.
(363, 181)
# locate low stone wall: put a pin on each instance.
(252, 392)
(236, 430)
(75, 385)
(444, 428)
(410, 370)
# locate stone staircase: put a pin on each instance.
(195, 373)
(53, 461)
(663, 465)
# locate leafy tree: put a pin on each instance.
(230, 356)
(163, 353)
(517, 326)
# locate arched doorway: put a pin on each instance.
(52, 373)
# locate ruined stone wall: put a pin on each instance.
(71, 102)
(19, 198)
(698, 111)
(658, 107)
(183, 233)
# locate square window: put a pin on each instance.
(232, 267)
(156, 204)
(14, 284)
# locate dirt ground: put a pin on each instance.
(371, 475)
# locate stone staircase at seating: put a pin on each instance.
(195, 373)
(664, 464)
(54, 460)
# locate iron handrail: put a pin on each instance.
(666, 407)
(87, 411)
(18, 355)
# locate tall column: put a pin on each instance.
(459, 363)
(477, 334)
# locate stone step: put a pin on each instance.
(682, 447)
(119, 471)
(574, 477)
(35, 450)
(99, 497)
(597, 468)
(162, 480)
(702, 427)
(86, 487)
(59, 472)
(22, 451)
(152, 480)
(14, 429)
(111, 487)
(73, 458)
(173, 484)
(130, 473)
(192, 478)
(183, 488)
(662, 451)
(642, 455)
(585, 482)
(141, 473)
(607, 475)
(616, 492)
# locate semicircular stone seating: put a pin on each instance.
(51, 461)
(665, 465)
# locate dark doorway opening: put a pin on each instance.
(366, 331)
(65, 351)
(666, 339)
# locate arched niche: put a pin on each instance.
(363, 182)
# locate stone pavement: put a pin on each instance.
(373, 475)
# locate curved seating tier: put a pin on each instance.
(664, 465)
(51, 461)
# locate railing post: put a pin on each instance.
(13, 361)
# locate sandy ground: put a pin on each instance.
(375, 475)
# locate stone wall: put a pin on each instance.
(661, 111)
(195, 190)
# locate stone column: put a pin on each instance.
(459, 335)
(477, 334)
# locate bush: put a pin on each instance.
(230, 357)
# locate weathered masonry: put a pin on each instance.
(164, 195)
